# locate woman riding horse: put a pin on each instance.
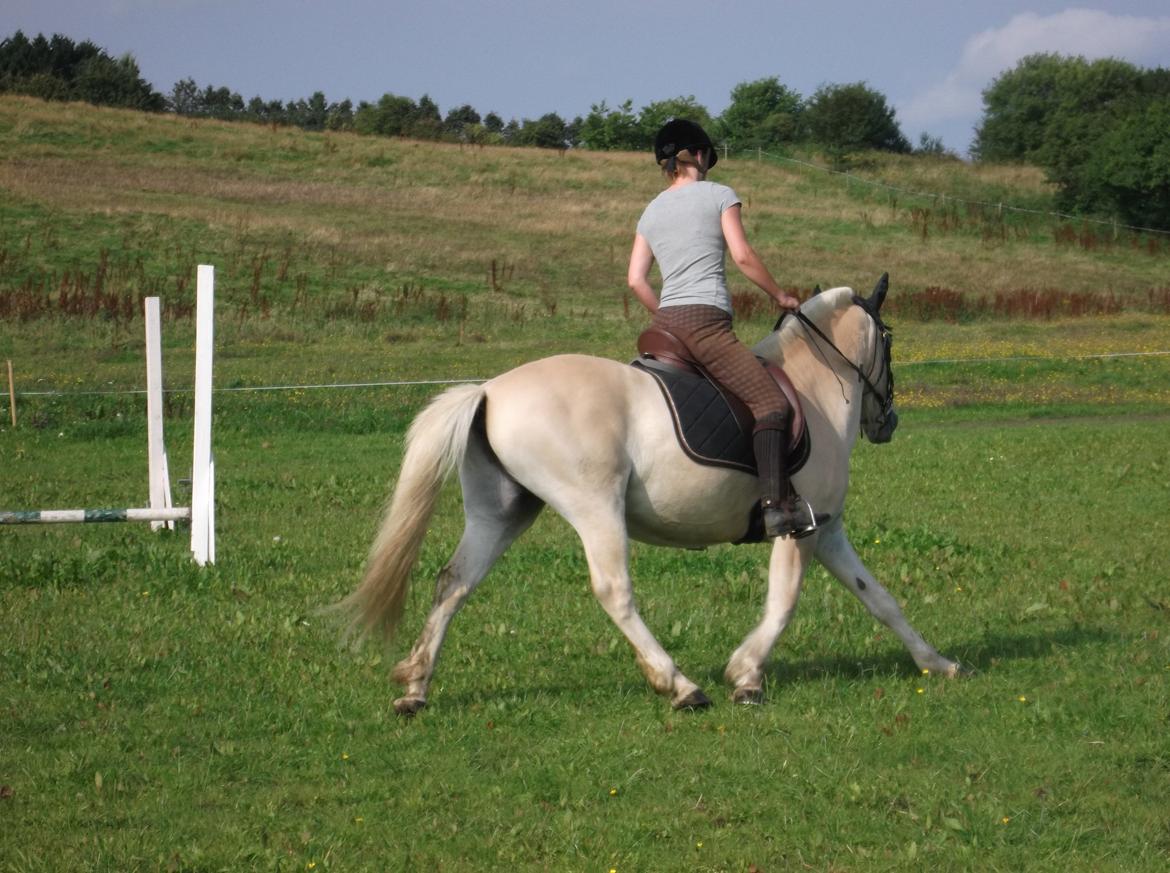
(688, 228)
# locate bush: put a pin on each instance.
(852, 118)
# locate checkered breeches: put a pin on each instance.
(707, 334)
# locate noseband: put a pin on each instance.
(886, 402)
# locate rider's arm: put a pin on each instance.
(640, 260)
(748, 261)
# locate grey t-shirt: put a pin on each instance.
(684, 229)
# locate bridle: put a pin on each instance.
(884, 398)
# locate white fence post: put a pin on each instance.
(203, 465)
(160, 480)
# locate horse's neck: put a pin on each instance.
(828, 388)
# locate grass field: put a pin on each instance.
(155, 716)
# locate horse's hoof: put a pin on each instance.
(408, 706)
(952, 670)
(748, 696)
(695, 700)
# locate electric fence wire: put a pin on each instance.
(936, 195)
(470, 381)
(850, 177)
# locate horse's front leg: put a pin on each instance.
(745, 670)
(604, 536)
(836, 553)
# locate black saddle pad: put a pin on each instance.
(706, 427)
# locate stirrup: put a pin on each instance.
(793, 517)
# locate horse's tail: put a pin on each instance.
(435, 445)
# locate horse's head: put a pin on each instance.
(878, 417)
(864, 348)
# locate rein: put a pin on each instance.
(887, 402)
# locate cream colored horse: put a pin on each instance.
(594, 440)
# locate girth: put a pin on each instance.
(713, 426)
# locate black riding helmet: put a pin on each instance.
(678, 135)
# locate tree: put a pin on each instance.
(934, 147)
(103, 81)
(390, 116)
(762, 114)
(222, 103)
(270, 111)
(546, 132)
(59, 69)
(1098, 128)
(340, 115)
(573, 132)
(605, 129)
(851, 118)
(427, 122)
(656, 114)
(1018, 107)
(459, 120)
(316, 112)
(184, 97)
(1041, 107)
(493, 123)
(1128, 170)
(1092, 99)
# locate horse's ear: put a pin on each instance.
(815, 291)
(878, 297)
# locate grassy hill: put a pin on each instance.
(305, 220)
(348, 257)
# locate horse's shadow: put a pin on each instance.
(978, 655)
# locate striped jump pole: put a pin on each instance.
(201, 512)
(89, 516)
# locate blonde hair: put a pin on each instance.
(670, 166)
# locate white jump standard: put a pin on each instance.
(201, 512)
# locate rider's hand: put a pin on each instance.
(787, 301)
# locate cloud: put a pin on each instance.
(1091, 33)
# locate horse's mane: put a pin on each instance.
(818, 310)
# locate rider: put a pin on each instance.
(688, 228)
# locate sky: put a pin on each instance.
(524, 58)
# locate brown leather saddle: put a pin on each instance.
(713, 426)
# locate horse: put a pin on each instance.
(594, 440)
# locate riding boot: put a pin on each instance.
(786, 513)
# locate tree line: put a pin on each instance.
(762, 114)
(1100, 129)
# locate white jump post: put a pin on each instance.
(203, 463)
(160, 478)
(201, 512)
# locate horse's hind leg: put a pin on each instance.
(837, 555)
(497, 511)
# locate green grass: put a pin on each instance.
(158, 716)
(227, 729)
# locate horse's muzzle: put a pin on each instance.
(884, 431)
